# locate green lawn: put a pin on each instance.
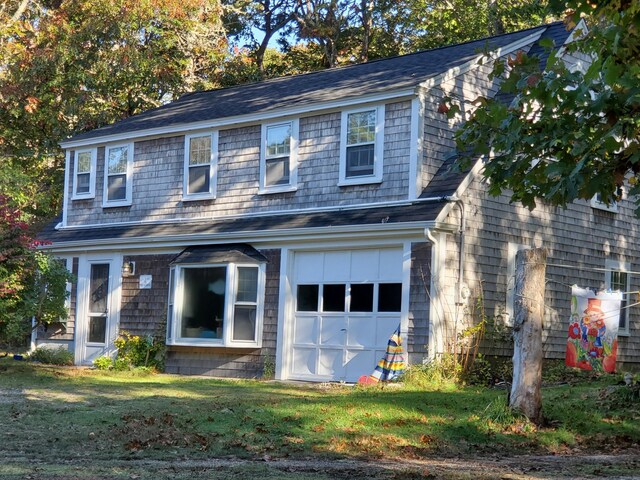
(59, 419)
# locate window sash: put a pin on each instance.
(84, 174)
(117, 178)
(278, 165)
(200, 166)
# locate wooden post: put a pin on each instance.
(527, 333)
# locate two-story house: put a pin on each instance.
(300, 220)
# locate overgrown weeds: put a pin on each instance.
(52, 356)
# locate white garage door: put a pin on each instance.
(346, 306)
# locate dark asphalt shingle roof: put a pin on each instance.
(419, 212)
(378, 76)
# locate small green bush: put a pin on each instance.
(139, 351)
(52, 356)
(103, 363)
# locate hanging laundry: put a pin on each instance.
(592, 343)
(391, 366)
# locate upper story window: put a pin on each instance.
(200, 166)
(118, 175)
(361, 147)
(617, 277)
(278, 157)
(84, 174)
(596, 202)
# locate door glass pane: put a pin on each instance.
(97, 329)
(307, 298)
(99, 288)
(333, 298)
(247, 284)
(362, 297)
(244, 323)
(203, 302)
(389, 297)
(199, 179)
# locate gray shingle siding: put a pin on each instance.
(158, 174)
(579, 239)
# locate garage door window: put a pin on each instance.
(356, 297)
(216, 305)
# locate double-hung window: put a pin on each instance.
(118, 175)
(617, 277)
(84, 174)
(278, 157)
(200, 166)
(216, 305)
(596, 202)
(361, 148)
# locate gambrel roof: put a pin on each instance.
(343, 83)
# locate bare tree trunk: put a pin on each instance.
(527, 333)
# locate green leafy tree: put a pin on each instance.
(32, 283)
(571, 132)
(68, 66)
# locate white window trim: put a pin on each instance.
(173, 330)
(292, 186)
(106, 203)
(213, 171)
(378, 150)
(619, 266)
(512, 251)
(595, 203)
(92, 174)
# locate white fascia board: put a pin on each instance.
(227, 122)
(319, 235)
(270, 213)
(473, 63)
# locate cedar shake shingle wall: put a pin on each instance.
(234, 362)
(579, 240)
(159, 163)
(418, 339)
(64, 331)
(144, 311)
(438, 129)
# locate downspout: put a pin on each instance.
(434, 279)
(462, 246)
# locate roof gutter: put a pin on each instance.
(286, 235)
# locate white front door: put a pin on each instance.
(98, 295)
(346, 305)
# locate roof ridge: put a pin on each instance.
(354, 65)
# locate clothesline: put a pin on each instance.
(589, 269)
(569, 285)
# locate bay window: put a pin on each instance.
(216, 305)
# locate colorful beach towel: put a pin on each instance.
(391, 366)
(592, 343)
